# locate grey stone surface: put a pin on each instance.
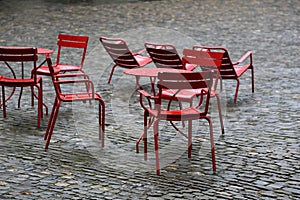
(258, 158)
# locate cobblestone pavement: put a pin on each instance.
(258, 158)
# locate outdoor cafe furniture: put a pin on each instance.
(232, 70)
(122, 56)
(18, 61)
(207, 60)
(82, 90)
(177, 81)
(68, 45)
(152, 73)
(166, 56)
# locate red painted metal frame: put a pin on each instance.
(232, 70)
(122, 56)
(71, 42)
(15, 58)
(62, 80)
(211, 61)
(178, 82)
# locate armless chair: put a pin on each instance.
(19, 60)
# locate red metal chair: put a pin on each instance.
(211, 61)
(70, 54)
(122, 55)
(83, 91)
(166, 56)
(233, 70)
(178, 82)
(19, 60)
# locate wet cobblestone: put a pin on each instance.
(258, 158)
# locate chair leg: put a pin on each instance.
(220, 113)
(111, 73)
(155, 126)
(19, 100)
(32, 96)
(52, 124)
(101, 121)
(213, 157)
(4, 103)
(190, 143)
(145, 136)
(252, 71)
(137, 81)
(50, 119)
(236, 90)
(40, 104)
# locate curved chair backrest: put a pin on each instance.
(164, 55)
(206, 60)
(119, 52)
(19, 55)
(226, 69)
(186, 81)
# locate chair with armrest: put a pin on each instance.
(198, 110)
(232, 70)
(207, 61)
(122, 56)
(83, 90)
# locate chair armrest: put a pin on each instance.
(144, 93)
(149, 97)
(244, 57)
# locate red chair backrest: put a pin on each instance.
(206, 60)
(164, 55)
(19, 56)
(79, 42)
(226, 70)
(119, 52)
(186, 81)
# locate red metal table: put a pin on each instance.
(152, 73)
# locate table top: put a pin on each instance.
(39, 50)
(151, 72)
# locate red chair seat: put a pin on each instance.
(142, 60)
(65, 68)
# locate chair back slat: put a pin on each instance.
(66, 44)
(226, 69)
(119, 52)
(205, 59)
(15, 59)
(186, 81)
(195, 80)
(164, 55)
